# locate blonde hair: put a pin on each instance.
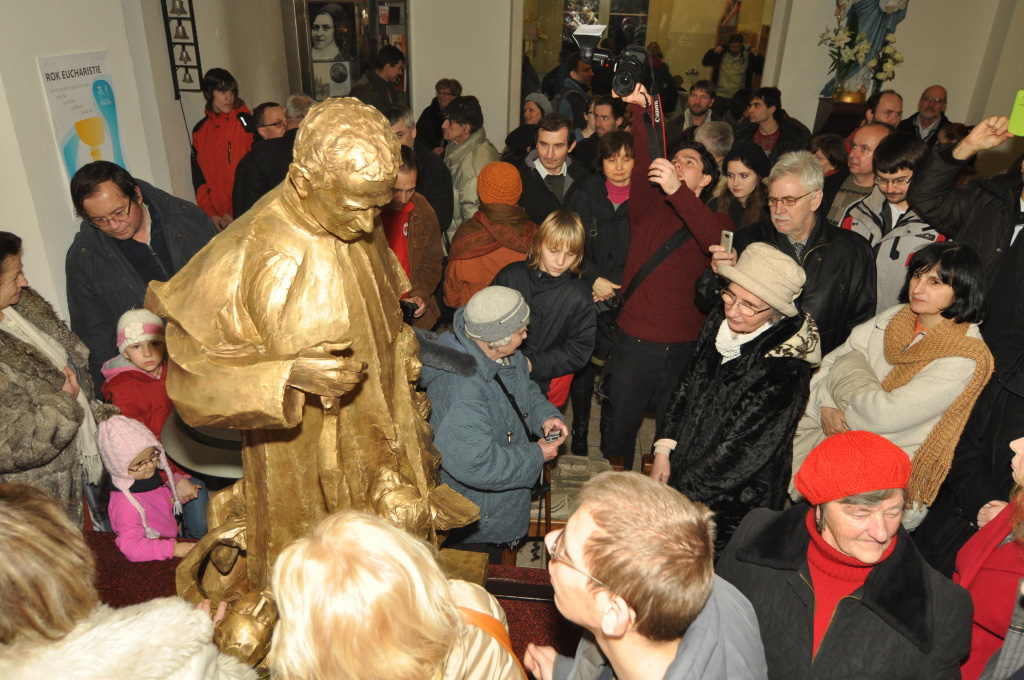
(46, 569)
(561, 229)
(654, 548)
(361, 599)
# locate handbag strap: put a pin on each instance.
(671, 244)
(492, 627)
(515, 406)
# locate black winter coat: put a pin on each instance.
(537, 200)
(607, 229)
(563, 322)
(434, 181)
(840, 289)
(793, 136)
(734, 422)
(906, 621)
(101, 283)
(262, 169)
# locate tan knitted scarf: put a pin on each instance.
(948, 339)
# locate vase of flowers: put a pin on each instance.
(883, 66)
(847, 50)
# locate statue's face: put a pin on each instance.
(346, 215)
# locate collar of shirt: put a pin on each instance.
(544, 171)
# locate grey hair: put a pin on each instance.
(397, 113)
(716, 136)
(870, 499)
(803, 166)
(297, 106)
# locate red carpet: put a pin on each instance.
(122, 583)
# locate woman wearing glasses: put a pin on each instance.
(727, 435)
(911, 374)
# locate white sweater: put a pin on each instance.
(850, 379)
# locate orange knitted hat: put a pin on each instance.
(499, 183)
(851, 463)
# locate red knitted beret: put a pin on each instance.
(499, 183)
(852, 463)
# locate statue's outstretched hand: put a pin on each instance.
(318, 370)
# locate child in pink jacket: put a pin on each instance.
(142, 514)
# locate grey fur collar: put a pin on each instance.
(444, 356)
(23, 358)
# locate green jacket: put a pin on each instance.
(465, 162)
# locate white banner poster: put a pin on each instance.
(80, 93)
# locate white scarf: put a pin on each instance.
(23, 329)
(728, 343)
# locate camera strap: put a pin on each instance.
(515, 406)
(656, 143)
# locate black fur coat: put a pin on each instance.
(734, 422)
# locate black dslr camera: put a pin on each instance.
(628, 66)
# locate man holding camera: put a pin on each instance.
(658, 321)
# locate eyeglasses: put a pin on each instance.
(898, 181)
(556, 555)
(933, 100)
(788, 201)
(152, 460)
(114, 217)
(278, 124)
(746, 309)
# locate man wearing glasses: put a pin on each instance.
(930, 116)
(270, 120)
(131, 233)
(884, 217)
(840, 289)
(633, 567)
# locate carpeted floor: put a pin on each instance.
(122, 583)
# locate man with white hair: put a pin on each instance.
(840, 266)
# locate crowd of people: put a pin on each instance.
(828, 331)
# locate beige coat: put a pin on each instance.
(477, 656)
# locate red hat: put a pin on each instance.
(852, 463)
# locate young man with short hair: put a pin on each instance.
(633, 567)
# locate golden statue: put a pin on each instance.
(287, 327)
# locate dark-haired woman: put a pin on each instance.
(743, 197)
(911, 374)
(328, 34)
(219, 141)
(603, 206)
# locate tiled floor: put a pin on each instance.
(531, 554)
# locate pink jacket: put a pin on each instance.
(127, 524)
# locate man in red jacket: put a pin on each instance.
(659, 323)
(219, 141)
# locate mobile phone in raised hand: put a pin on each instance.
(727, 240)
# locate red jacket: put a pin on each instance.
(990, 573)
(218, 142)
(139, 395)
(662, 309)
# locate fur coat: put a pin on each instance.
(733, 422)
(38, 420)
(163, 639)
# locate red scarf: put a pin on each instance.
(480, 236)
(834, 575)
(396, 228)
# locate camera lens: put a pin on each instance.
(623, 83)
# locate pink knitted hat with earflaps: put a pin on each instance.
(120, 439)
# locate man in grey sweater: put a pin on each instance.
(633, 566)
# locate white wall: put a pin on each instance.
(244, 36)
(942, 41)
(36, 187)
(469, 40)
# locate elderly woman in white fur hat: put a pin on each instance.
(727, 437)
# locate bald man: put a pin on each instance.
(930, 116)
